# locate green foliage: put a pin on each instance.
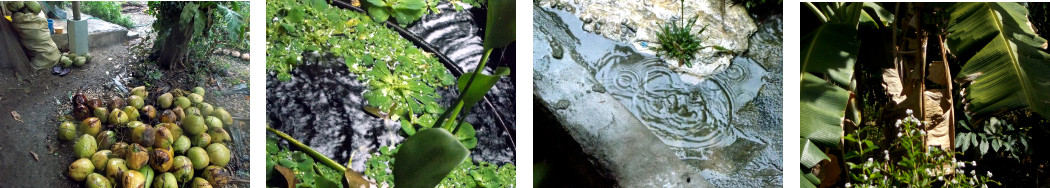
(427, 157)
(828, 57)
(401, 78)
(404, 11)
(994, 135)
(467, 174)
(913, 163)
(308, 172)
(466, 135)
(678, 43)
(1004, 61)
(109, 11)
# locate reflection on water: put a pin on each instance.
(701, 122)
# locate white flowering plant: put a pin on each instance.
(907, 162)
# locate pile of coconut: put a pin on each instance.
(127, 142)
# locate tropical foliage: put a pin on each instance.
(199, 28)
(109, 11)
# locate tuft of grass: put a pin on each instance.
(678, 43)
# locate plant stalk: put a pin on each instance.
(310, 151)
(459, 101)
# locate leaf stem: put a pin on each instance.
(462, 94)
(310, 151)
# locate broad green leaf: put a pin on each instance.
(1003, 57)
(823, 107)
(482, 84)
(379, 14)
(499, 26)
(811, 155)
(831, 50)
(884, 15)
(319, 5)
(408, 127)
(426, 158)
(809, 180)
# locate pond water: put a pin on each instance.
(727, 124)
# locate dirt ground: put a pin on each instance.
(32, 156)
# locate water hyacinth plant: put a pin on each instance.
(908, 162)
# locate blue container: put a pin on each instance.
(51, 25)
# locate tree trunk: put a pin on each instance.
(176, 47)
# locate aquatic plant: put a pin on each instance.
(404, 11)
(467, 174)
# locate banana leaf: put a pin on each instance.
(1004, 62)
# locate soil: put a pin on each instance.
(32, 156)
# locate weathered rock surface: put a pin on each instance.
(637, 22)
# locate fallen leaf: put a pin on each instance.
(35, 157)
(16, 116)
(288, 175)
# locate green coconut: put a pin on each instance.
(218, 154)
(181, 144)
(216, 176)
(32, 7)
(200, 183)
(106, 139)
(183, 102)
(136, 101)
(213, 122)
(198, 157)
(80, 169)
(118, 117)
(165, 100)
(162, 138)
(79, 61)
(161, 159)
(115, 167)
(193, 111)
(100, 158)
(194, 125)
(179, 112)
(165, 180)
(102, 114)
(149, 111)
(223, 115)
(120, 150)
(95, 180)
(137, 156)
(15, 6)
(116, 103)
(132, 112)
(66, 62)
(140, 91)
(219, 135)
(90, 126)
(175, 130)
(88, 57)
(196, 98)
(67, 131)
(133, 178)
(182, 168)
(167, 116)
(139, 134)
(198, 90)
(85, 147)
(206, 109)
(202, 140)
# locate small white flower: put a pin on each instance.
(865, 177)
(898, 124)
(899, 134)
(870, 159)
(972, 172)
(848, 185)
(974, 163)
(908, 111)
(940, 178)
(961, 164)
(922, 132)
(989, 174)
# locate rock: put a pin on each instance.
(636, 22)
(235, 53)
(245, 57)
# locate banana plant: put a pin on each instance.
(1005, 64)
(828, 57)
(427, 157)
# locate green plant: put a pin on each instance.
(916, 165)
(1003, 57)
(828, 57)
(677, 41)
(196, 31)
(107, 10)
(467, 174)
(404, 11)
(995, 135)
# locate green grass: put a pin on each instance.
(108, 11)
(678, 43)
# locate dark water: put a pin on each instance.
(323, 108)
(727, 124)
